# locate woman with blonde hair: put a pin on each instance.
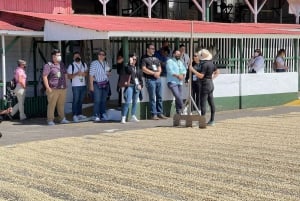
(208, 72)
(20, 90)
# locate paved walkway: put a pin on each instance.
(15, 132)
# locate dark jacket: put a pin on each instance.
(135, 72)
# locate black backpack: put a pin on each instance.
(13, 84)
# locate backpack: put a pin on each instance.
(13, 84)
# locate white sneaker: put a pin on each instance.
(123, 121)
(23, 117)
(134, 119)
(64, 121)
(80, 117)
(185, 111)
(75, 118)
(97, 119)
(51, 123)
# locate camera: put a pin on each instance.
(9, 98)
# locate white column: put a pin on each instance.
(104, 2)
(254, 9)
(201, 9)
(3, 65)
(149, 5)
(59, 45)
(294, 8)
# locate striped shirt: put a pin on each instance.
(97, 70)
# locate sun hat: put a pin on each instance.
(204, 54)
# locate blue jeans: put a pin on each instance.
(78, 96)
(176, 90)
(155, 96)
(100, 97)
(130, 94)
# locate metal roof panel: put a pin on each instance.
(117, 26)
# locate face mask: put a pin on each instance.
(58, 58)
(77, 59)
(256, 54)
(177, 57)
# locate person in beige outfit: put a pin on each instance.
(20, 77)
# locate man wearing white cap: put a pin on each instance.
(208, 72)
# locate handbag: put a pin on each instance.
(124, 80)
(103, 84)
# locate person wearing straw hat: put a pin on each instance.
(20, 77)
(208, 72)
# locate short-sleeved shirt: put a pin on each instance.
(78, 67)
(257, 64)
(20, 72)
(152, 63)
(208, 68)
(98, 70)
(56, 74)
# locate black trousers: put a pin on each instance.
(196, 90)
(206, 95)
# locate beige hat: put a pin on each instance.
(21, 62)
(204, 54)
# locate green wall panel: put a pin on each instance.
(227, 103)
(37, 106)
(268, 100)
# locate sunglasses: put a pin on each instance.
(101, 54)
(195, 55)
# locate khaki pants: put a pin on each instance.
(57, 99)
(20, 93)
